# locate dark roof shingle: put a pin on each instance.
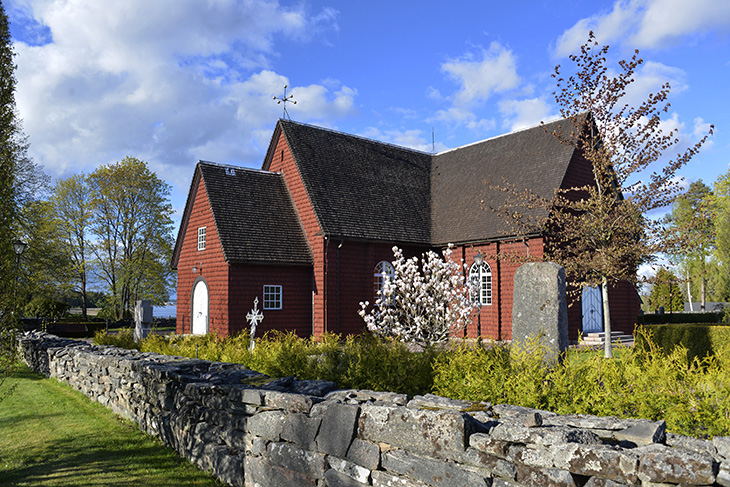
(361, 188)
(461, 181)
(254, 216)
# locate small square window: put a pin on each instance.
(272, 297)
(201, 238)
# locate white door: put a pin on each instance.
(200, 308)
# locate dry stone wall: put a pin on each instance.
(250, 430)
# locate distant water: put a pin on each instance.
(164, 311)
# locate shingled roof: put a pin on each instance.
(361, 188)
(369, 190)
(254, 215)
(462, 181)
(366, 189)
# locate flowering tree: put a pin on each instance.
(424, 303)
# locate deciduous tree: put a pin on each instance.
(132, 226)
(690, 234)
(72, 206)
(599, 232)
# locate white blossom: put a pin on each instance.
(427, 302)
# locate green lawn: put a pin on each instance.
(50, 435)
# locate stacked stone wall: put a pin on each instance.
(250, 430)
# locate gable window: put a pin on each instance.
(272, 297)
(201, 238)
(382, 269)
(481, 275)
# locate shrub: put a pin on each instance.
(689, 318)
(698, 340)
(44, 307)
(122, 339)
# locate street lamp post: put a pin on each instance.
(19, 246)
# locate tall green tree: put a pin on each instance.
(599, 232)
(71, 203)
(132, 228)
(690, 233)
(13, 157)
(721, 204)
(665, 292)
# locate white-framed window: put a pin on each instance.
(201, 238)
(382, 269)
(272, 297)
(481, 276)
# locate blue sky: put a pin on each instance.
(175, 81)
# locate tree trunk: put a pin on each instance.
(607, 345)
(689, 294)
(702, 291)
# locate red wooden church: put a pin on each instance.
(310, 234)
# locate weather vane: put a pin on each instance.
(284, 99)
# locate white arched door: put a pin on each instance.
(200, 308)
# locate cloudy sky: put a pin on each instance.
(175, 81)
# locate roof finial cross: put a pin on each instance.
(284, 99)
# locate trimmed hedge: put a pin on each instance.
(689, 318)
(700, 340)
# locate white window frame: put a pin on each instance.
(273, 296)
(201, 238)
(382, 269)
(482, 276)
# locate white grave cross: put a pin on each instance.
(254, 318)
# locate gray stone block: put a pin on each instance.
(496, 466)
(386, 479)
(723, 475)
(437, 430)
(290, 402)
(337, 479)
(308, 463)
(532, 455)
(352, 470)
(430, 471)
(644, 433)
(432, 401)
(539, 308)
(266, 424)
(660, 463)
(544, 477)
(364, 453)
(599, 460)
(259, 473)
(545, 435)
(339, 422)
(722, 444)
(599, 482)
(301, 429)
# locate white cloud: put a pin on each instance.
(458, 117)
(413, 139)
(647, 23)
(169, 81)
(494, 72)
(521, 114)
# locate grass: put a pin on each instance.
(51, 435)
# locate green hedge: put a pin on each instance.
(691, 318)
(700, 340)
